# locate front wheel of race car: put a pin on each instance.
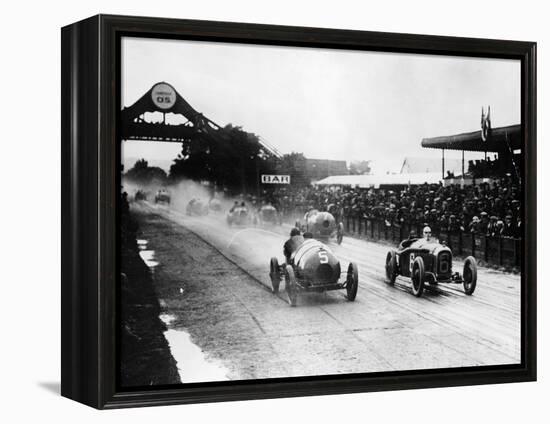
(391, 266)
(469, 275)
(291, 285)
(417, 276)
(352, 281)
(340, 233)
(274, 274)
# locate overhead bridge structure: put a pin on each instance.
(164, 99)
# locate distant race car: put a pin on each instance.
(313, 268)
(140, 195)
(196, 207)
(268, 215)
(239, 215)
(429, 261)
(322, 225)
(215, 205)
(162, 196)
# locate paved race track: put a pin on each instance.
(213, 283)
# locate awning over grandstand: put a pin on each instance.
(375, 181)
(499, 139)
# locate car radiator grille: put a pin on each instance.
(444, 262)
(323, 274)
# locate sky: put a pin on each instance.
(327, 104)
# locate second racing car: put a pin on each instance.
(424, 260)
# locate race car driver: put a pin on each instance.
(290, 246)
(427, 233)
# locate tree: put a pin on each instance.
(229, 157)
(360, 167)
(142, 173)
(294, 164)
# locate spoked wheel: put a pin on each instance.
(274, 274)
(469, 275)
(340, 233)
(391, 266)
(352, 281)
(417, 276)
(291, 286)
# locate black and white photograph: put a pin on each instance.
(275, 212)
(298, 212)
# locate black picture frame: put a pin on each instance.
(90, 195)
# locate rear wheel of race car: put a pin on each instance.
(391, 266)
(469, 275)
(417, 276)
(291, 285)
(340, 233)
(274, 274)
(352, 281)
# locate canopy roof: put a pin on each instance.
(497, 140)
(366, 181)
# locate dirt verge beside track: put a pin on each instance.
(145, 357)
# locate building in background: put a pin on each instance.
(317, 169)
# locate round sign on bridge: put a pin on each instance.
(164, 95)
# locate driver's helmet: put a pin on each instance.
(427, 233)
(412, 234)
(294, 232)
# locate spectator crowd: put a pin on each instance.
(493, 209)
(489, 168)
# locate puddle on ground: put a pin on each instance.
(148, 257)
(167, 318)
(193, 367)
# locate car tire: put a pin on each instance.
(417, 276)
(291, 286)
(340, 233)
(352, 282)
(391, 267)
(469, 275)
(274, 274)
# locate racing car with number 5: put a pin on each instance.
(313, 268)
